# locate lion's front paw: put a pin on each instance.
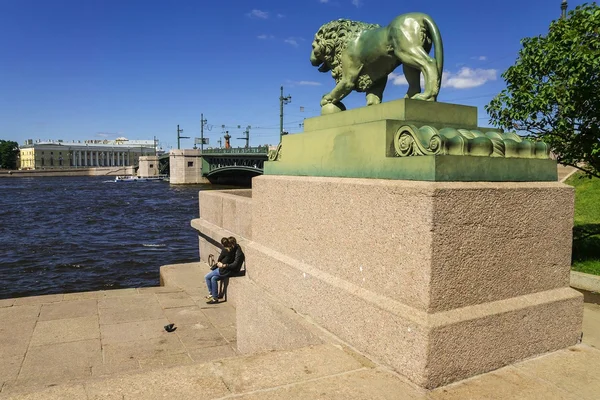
(326, 100)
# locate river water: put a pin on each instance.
(62, 235)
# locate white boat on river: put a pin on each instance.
(131, 178)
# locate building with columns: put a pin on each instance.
(87, 154)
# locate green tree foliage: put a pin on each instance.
(9, 154)
(553, 90)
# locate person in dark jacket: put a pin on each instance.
(229, 265)
(226, 256)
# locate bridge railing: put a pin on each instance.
(238, 150)
(228, 162)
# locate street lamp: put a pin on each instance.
(563, 7)
(282, 101)
(180, 137)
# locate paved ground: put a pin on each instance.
(112, 345)
(47, 340)
(564, 172)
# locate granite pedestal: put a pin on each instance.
(437, 248)
(439, 281)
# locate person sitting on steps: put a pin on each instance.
(212, 277)
(230, 264)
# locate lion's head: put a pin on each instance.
(330, 40)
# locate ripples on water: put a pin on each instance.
(61, 235)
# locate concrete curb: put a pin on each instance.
(564, 179)
(589, 282)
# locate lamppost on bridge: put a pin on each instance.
(282, 101)
(246, 136)
(180, 137)
(203, 123)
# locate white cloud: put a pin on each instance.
(399, 79)
(480, 58)
(293, 41)
(302, 83)
(265, 36)
(280, 16)
(109, 134)
(258, 14)
(323, 1)
(308, 83)
(465, 78)
(356, 3)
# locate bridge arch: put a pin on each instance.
(233, 175)
(231, 170)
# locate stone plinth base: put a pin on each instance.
(434, 168)
(439, 281)
(435, 113)
(410, 140)
(264, 324)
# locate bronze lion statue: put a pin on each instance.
(360, 57)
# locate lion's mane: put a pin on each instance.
(331, 40)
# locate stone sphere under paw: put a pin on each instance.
(332, 108)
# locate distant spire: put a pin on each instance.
(563, 7)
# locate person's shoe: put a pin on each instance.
(208, 297)
(212, 301)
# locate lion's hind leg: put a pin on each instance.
(413, 77)
(416, 57)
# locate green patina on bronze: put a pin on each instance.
(426, 140)
(433, 168)
(405, 139)
(360, 57)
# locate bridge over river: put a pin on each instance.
(228, 166)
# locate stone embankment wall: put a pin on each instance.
(103, 171)
(223, 213)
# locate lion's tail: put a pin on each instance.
(436, 38)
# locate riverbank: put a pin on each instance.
(98, 171)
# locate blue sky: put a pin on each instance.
(95, 69)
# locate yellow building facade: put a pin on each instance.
(89, 154)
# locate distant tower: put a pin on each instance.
(563, 7)
(227, 137)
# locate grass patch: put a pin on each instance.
(586, 231)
